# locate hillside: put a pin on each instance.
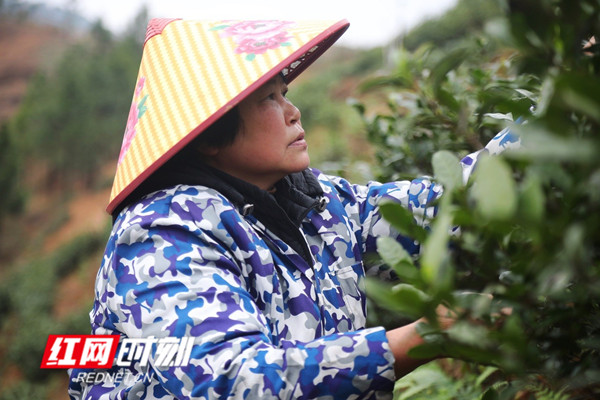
(29, 48)
(57, 226)
(26, 47)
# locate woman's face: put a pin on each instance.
(270, 144)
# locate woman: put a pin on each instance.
(225, 235)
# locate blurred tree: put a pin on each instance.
(467, 17)
(72, 117)
(136, 30)
(12, 197)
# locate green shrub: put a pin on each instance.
(529, 220)
(466, 17)
(27, 313)
(24, 390)
(13, 198)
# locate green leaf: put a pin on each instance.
(478, 304)
(592, 343)
(435, 251)
(426, 350)
(410, 298)
(419, 383)
(394, 255)
(541, 143)
(527, 94)
(532, 199)
(513, 332)
(402, 220)
(379, 82)
(447, 170)
(469, 333)
(487, 372)
(579, 93)
(447, 99)
(490, 394)
(402, 298)
(468, 352)
(500, 116)
(494, 189)
(449, 62)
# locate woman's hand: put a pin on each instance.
(403, 339)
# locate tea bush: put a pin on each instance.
(529, 219)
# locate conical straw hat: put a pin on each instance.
(192, 72)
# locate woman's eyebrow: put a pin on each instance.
(270, 85)
(271, 82)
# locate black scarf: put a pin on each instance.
(281, 212)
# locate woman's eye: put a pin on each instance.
(273, 96)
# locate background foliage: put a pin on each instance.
(73, 113)
(529, 220)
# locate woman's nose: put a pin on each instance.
(293, 113)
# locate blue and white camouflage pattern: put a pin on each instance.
(185, 262)
(266, 324)
(504, 140)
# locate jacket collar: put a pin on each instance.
(281, 212)
(296, 194)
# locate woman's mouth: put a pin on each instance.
(299, 141)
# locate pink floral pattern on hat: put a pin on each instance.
(256, 37)
(136, 112)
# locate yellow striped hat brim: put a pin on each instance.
(192, 72)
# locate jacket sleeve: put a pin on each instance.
(418, 196)
(171, 277)
(504, 140)
(361, 204)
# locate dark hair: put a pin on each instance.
(221, 133)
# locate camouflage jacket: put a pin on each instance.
(268, 319)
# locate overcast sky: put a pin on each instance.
(372, 22)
